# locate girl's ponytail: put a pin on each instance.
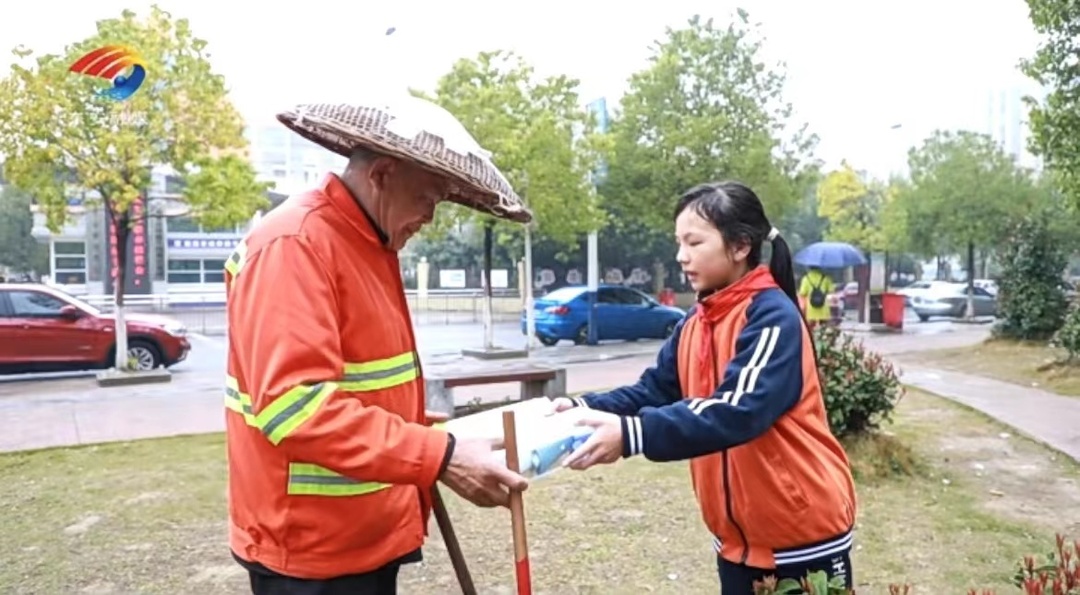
(780, 265)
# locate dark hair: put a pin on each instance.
(736, 211)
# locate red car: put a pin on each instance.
(45, 329)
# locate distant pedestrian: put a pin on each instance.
(815, 289)
(735, 390)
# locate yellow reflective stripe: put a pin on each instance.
(285, 414)
(306, 479)
(292, 409)
(380, 374)
(237, 259)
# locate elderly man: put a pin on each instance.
(332, 458)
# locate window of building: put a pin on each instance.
(184, 224)
(189, 225)
(69, 263)
(196, 270)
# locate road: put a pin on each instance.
(442, 344)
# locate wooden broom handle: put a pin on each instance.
(517, 509)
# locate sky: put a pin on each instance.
(855, 68)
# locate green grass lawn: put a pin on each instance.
(1034, 364)
(149, 517)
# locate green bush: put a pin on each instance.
(861, 388)
(1068, 336)
(1031, 300)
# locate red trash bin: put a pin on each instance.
(667, 296)
(892, 310)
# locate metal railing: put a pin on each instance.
(205, 312)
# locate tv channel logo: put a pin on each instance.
(119, 64)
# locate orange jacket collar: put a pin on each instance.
(333, 188)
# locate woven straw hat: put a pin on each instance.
(417, 130)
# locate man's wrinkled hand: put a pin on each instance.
(474, 474)
(435, 417)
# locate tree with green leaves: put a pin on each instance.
(19, 250)
(1032, 304)
(61, 134)
(852, 206)
(965, 193)
(1055, 119)
(706, 108)
(539, 136)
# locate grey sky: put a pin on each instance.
(855, 67)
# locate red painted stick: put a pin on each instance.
(517, 509)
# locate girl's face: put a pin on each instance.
(707, 261)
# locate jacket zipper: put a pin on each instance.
(731, 510)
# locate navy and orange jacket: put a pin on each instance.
(735, 389)
(330, 460)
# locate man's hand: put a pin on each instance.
(435, 417)
(476, 476)
(604, 446)
(560, 404)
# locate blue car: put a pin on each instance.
(621, 314)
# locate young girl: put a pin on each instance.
(736, 390)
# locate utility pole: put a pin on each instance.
(599, 110)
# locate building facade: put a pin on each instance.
(1007, 120)
(287, 159)
(175, 256)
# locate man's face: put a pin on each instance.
(407, 196)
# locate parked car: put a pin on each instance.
(989, 285)
(45, 329)
(950, 301)
(920, 288)
(847, 295)
(622, 313)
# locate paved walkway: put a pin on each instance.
(1046, 417)
(76, 411)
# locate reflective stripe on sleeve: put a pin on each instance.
(306, 479)
(287, 412)
(237, 259)
(380, 374)
(284, 414)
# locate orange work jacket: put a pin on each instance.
(330, 461)
(787, 495)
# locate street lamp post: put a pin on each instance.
(599, 110)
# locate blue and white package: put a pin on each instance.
(549, 456)
(544, 441)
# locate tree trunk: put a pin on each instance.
(489, 330)
(121, 230)
(970, 311)
(659, 277)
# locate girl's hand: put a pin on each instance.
(604, 446)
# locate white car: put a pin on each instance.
(950, 301)
(989, 285)
(920, 288)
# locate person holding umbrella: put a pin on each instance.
(816, 285)
(332, 457)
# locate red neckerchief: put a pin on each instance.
(716, 306)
